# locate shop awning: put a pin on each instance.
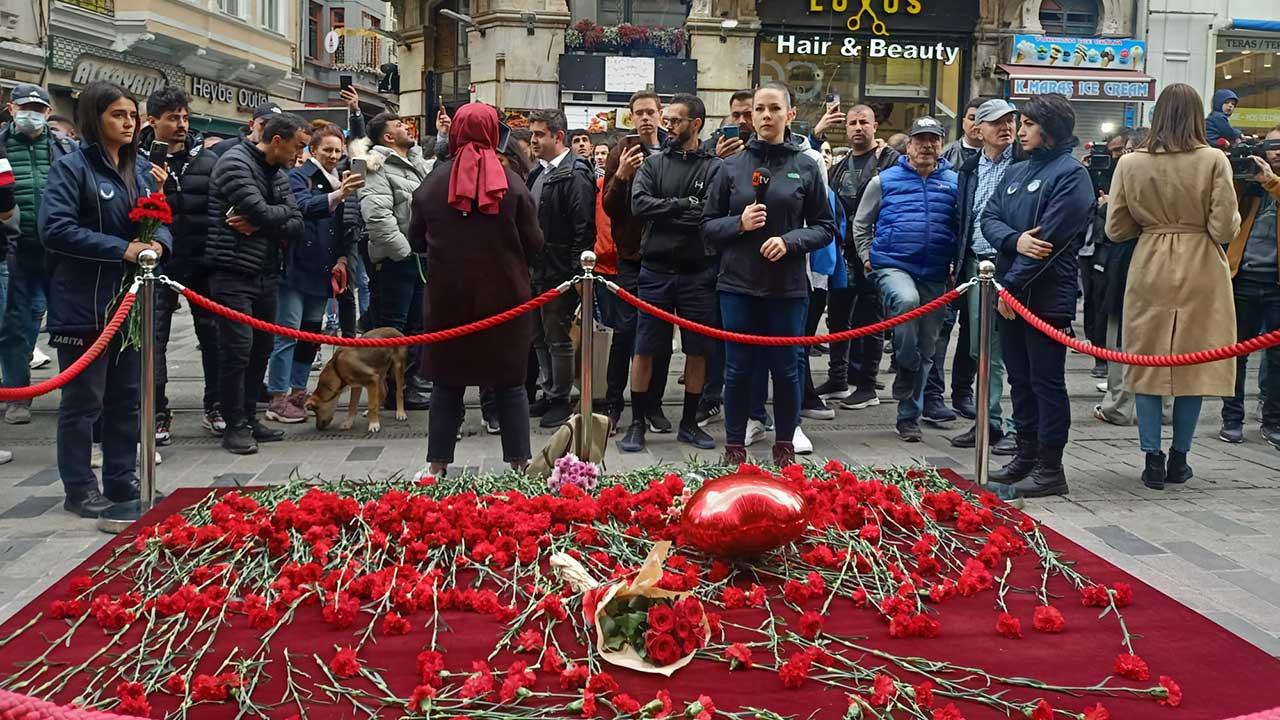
(1026, 81)
(1256, 25)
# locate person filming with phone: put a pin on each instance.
(767, 209)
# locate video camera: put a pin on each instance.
(1100, 165)
(1241, 154)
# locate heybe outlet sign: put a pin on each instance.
(854, 47)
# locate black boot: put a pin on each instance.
(238, 439)
(1048, 477)
(1177, 471)
(87, 504)
(1155, 475)
(1021, 465)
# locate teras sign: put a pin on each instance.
(872, 48)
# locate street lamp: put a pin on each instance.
(464, 19)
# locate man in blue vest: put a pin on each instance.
(32, 147)
(905, 235)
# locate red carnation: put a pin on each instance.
(739, 655)
(1048, 619)
(602, 683)
(393, 624)
(883, 688)
(795, 593)
(574, 677)
(176, 684)
(1124, 594)
(1042, 711)
(430, 663)
(795, 671)
(810, 624)
(1095, 596)
(1172, 693)
(1132, 667)
(529, 641)
(948, 712)
(733, 598)
(924, 694)
(626, 704)
(1097, 712)
(344, 663)
(421, 695)
(1009, 626)
(662, 618)
(214, 688)
(869, 532)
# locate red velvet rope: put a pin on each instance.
(426, 338)
(77, 367)
(20, 707)
(1200, 357)
(709, 331)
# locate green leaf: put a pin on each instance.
(631, 622)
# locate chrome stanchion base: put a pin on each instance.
(116, 518)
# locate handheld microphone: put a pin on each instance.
(760, 181)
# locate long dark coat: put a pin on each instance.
(477, 266)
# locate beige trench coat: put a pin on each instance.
(1181, 208)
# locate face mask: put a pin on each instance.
(29, 122)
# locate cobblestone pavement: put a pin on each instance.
(1212, 545)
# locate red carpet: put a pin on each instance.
(1221, 676)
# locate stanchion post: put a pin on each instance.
(986, 310)
(587, 291)
(121, 515)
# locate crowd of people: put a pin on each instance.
(750, 227)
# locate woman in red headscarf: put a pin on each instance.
(476, 222)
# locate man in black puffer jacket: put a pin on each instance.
(252, 217)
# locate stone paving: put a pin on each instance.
(1212, 545)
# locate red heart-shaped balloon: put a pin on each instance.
(744, 514)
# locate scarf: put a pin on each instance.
(335, 182)
(477, 180)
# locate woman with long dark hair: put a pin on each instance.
(476, 223)
(93, 245)
(763, 282)
(1176, 198)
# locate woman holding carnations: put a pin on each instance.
(89, 220)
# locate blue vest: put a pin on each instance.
(915, 231)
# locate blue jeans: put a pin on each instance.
(4, 289)
(21, 325)
(1186, 413)
(913, 342)
(744, 363)
(294, 309)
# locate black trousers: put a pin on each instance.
(447, 411)
(206, 327)
(106, 394)
(856, 362)
(621, 317)
(1036, 369)
(243, 352)
(1257, 312)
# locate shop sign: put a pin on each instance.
(1256, 117)
(245, 99)
(872, 18)
(853, 47)
(1248, 43)
(1136, 90)
(868, 15)
(139, 81)
(1091, 53)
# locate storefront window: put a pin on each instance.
(1254, 75)
(650, 13)
(900, 88)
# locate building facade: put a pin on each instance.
(22, 43)
(346, 40)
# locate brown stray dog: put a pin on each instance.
(360, 368)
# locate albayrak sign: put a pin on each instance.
(139, 81)
(855, 47)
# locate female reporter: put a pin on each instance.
(1175, 197)
(92, 244)
(763, 282)
(476, 223)
(315, 269)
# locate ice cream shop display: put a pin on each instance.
(1102, 53)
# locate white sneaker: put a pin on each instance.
(158, 458)
(39, 359)
(1102, 386)
(801, 442)
(95, 456)
(5, 456)
(755, 432)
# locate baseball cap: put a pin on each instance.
(927, 126)
(265, 109)
(25, 94)
(994, 110)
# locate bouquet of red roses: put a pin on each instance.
(638, 624)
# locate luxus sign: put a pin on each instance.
(853, 47)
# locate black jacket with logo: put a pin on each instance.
(797, 212)
(849, 186)
(567, 215)
(668, 194)
(260, 192)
